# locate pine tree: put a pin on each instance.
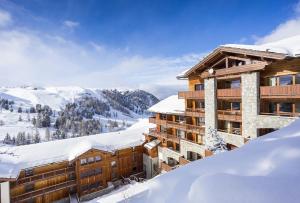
(20, 118)
(47, 134)
(20, 110)
(214, 142)
(7, 139)
(36, 137)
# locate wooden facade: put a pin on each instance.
(88, 173)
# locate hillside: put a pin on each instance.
(69, 111)
(264, 170)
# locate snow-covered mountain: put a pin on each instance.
(22, 109)
(58, 97)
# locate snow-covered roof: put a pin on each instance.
(288, 46)
(152, 144)
(170, 105)
(13, 159)
(264, 170)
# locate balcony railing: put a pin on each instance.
(197, 112)
(157, 121)
(287, 114)
(39, 192)
(199, 94)
(164, 135)
(288, 91)
(234, 93)
(49, 174)
(165, 167)
(229, 115)
(236, 131)
(186, 127)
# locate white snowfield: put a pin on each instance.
(264, 171)
(171, 105)
(55, 97)
(13, 159)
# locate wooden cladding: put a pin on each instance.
(234, 93)
(235, 70)
(191, 94)
(281, 92)
(235, 116)
(162, 135)
(165, 167)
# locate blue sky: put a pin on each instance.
(136, 44)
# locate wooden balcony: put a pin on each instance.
(191, 94)
(157, 121)
(185, 127)
(43, 191)
(163, 135)
(227, 115)
(235, 131)
(280, 92)
(49, 174)
(234, 93)
(165, 167)
(195, 112)
(183, 161)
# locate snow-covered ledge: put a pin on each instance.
(233, 139)
(164, 153)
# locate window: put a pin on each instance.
(297, 79)
(98, 158)
(163, 129)
(236, 106)
(29, 187)
(113, 164)
(235, 84)
(98, 171)
(272, 107)
(83, 161)
(297, 109)
(84, 187)
(200, 104)
(236, 125)
(180, 133)
(91, 159)
(200, 121)
(286, 80)
(163, 116)
(271, 81)
(28, 172)
(286, 107)
(179, 119)
(199, 87)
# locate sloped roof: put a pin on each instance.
(289, 47)
(170, 105)
(13, 159)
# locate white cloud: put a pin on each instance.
(286, 29)
(32, 58)
(71, 24)
(5, 18)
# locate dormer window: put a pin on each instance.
(199, 87)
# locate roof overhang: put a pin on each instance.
(204, 63)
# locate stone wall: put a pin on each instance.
(186, 146)
(164, 153)
(264, 121)
(150, 165)
(250, 103)
(210, 86)
(236, 140)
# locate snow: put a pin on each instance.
(12, 159)
(170, 105)
(152, 144)
(288, 46)
(264, 170)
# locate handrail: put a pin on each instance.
(280, 91)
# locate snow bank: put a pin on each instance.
(170, 105)
(12, 159)
(265, 170)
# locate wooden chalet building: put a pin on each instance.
(242, 91)
(72, 169)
